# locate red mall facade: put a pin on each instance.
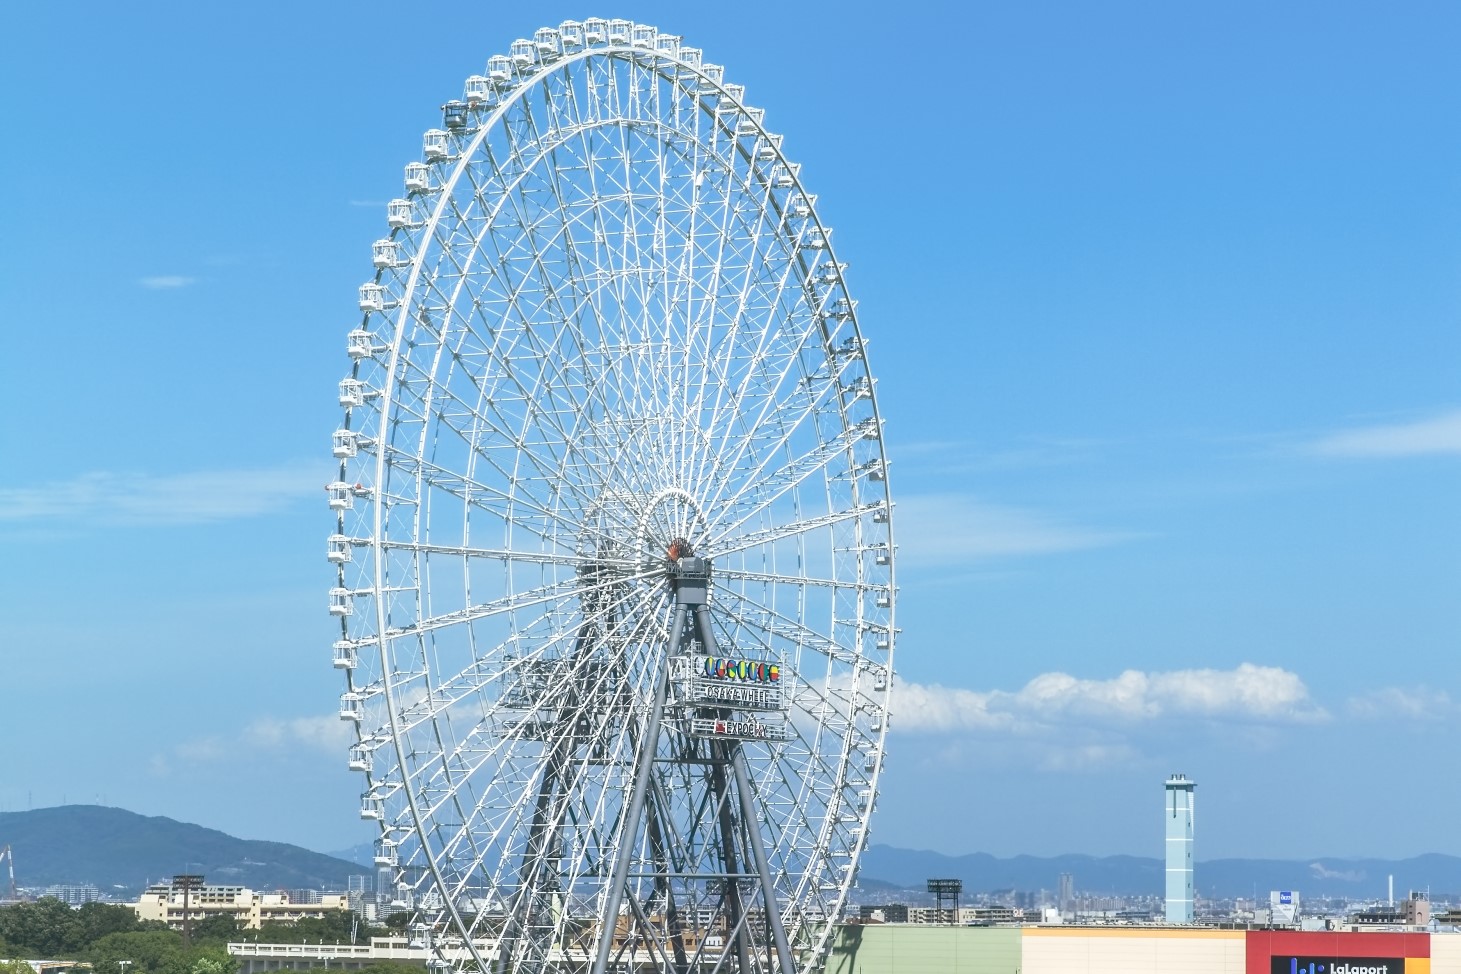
(1334, 952)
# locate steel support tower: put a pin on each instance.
(745, 872)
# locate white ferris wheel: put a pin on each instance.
(614, 550)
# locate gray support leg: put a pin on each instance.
(654, 807)
(635, 807)
(752, 819)
(731, 892)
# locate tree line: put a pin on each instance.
(111, 938)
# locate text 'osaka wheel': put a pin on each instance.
(614, 550)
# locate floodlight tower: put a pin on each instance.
(1179, 808)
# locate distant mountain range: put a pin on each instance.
(118, 851)
(121, 851)
(363, 854)
(1134, 875)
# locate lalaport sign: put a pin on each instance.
(1290, 964)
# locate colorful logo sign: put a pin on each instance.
(743, 670)
(1337, 965)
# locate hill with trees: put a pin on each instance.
(121, 852)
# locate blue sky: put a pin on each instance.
(1165, 305)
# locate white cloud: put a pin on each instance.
(203, 749)
(1248, 691)
(939, 528)
(186, 498)
(1395, 703)
(930, 707)
(166, 282)
(1322, 871)
(1047, 749)
(1439, 434)
(327, 733)
(1245, 693)
(965, 456)
(1085, 757)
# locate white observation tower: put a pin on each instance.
(1179, 808)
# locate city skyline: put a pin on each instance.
(1161, 302)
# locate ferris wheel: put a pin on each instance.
(614, 548)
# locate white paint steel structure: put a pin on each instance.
(608, 317)
(1179, 808)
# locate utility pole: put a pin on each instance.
(187, 882)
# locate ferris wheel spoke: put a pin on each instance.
(767, 538)
(471, 829)
(531, 395)
(525, 219)
(772, 578)
(511, 496)
(764, 441)
(725, 397)
(533, 411)
(773, 379)
(757, 494)
(574, 259)
(516, 733)
(482, 673)
(570, 786)
(811, 386)
(465, 487)
(514, 602)
(759, 617)
(470, 437)
(500, 554)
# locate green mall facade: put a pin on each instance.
(924, 949)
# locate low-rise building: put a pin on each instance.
(267, 958)
(1414, 911)
(74, 894)
(169, 902)
(886, 913)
